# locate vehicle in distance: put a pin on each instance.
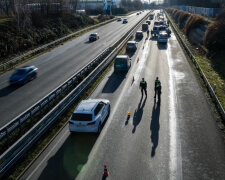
(163, 37)
(122, 63)
(89, 115)
(131, 46)
(23, 75)
(151, 16)
(139, 35)
(93, 37)
(137, 13)
(119, 19)
(148, 22)
(144, 27)
(125, 21)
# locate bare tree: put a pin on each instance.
(22, 14)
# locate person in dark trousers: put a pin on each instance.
(143, 86)
(159, 88)
(156, 82)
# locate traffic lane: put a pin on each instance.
(138, 147)
(202, 146)
(45, 166)
(54, 68)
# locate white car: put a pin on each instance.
(89, 115)
(163, 37)
(119, 19)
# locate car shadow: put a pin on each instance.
(69, 160)
(113, 82)
(138, 113)
(88, 42)
(130, 53)
(138, 39)
(162, 46)
(154, 127)
(154, 38)
(8, 90)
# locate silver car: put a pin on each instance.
(89, 115)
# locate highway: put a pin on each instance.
(175, 139)
(56, 66)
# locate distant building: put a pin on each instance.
(94, 4)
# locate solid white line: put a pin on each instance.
(46, 156)
(175, 162)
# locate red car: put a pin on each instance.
(93, 37)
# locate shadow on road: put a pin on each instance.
(88, 42)
(154, 38)
(162, 45)
(113, 82)
(70, 158)
(138, 39)
(154, 127)
(138, 113)
(8, 90)
(130, 53)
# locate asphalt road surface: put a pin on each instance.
(175, 139)
(56, 66)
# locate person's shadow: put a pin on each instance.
(138, 113)
(154, 127)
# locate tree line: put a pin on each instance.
(133, 5)
(198, 3)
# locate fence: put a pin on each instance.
(208, 12)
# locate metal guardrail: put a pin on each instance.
(10, 156)
(37, 107)
(19, 58)
(212, 92)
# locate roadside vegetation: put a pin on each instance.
(16, 39)
(210, 52)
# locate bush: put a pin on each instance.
(193, 21)
(214, 39)
(183, 18)
(221, 16)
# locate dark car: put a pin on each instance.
(148, 22)
(93, 37)
(139, 35)
(125, 21)
(131, 46)
(23, 75)
(122, 63)
(144, 27)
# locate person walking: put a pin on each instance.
(143, 86)
(159, 88)
(156, 82)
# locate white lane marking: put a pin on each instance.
(175, 162)
(142, 55)
(46, 156)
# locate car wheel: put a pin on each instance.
(99, 128)
(109, 109)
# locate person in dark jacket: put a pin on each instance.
(143, 86)
(159, 88)
(156, 82)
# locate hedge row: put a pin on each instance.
(186, 20)
(214, 39)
